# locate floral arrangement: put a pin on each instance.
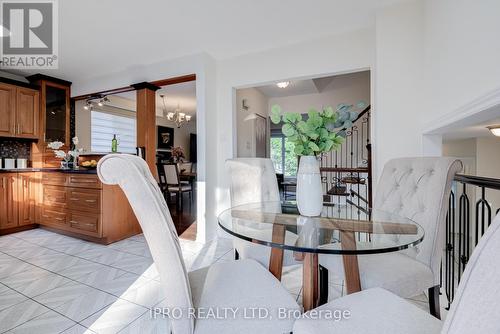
(66, 156)
(178, 154)
(321, 132)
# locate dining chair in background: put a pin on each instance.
(419, 189)
(373, 311)
(231, 285)
(174, 183)
(253, 180)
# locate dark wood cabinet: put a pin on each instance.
(27, 112)
(27, 195)
(81, 206)
(7, 106)
(19, 107)
(9, 200)
(18, 199)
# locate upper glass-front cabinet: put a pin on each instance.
(56, 114)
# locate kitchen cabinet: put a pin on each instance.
(78, 204)
(18, 199)
(9, 200)
(19, 111)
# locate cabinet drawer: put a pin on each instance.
(53, 217)
(84, 181)
(84, 221)
(58, 179)
(84, 199)
(54, 196)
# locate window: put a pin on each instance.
(282, 155)
(105, 125)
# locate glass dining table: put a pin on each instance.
(340, 231)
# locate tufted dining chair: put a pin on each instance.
(415, 188)
(234, 285)
(373, 311)
(253, 180)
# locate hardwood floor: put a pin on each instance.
(184, 218)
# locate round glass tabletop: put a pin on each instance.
(339, 229)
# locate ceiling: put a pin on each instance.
(104, 37)
(183, 94)
(472, 131)
(312, 86)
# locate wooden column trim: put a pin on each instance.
(276, 258)
(351, 268)
(146, 121)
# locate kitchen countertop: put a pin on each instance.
(81, 170)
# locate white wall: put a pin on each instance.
(397, 121)
(258, 104)
(346, 89)
(462, 52)
(488, 165)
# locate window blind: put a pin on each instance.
(105, 125)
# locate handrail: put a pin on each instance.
(361, 114)
(344, 169)
(479, 181)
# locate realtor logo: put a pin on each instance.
(29, 34)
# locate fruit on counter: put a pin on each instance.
(89, 163)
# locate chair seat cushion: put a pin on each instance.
(396, 272)
(372, 311)
(240, 284)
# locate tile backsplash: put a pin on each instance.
(12, 148)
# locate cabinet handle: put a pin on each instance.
(90, 200)
(58, 219)
(74, 199)
(45, 216)
(19, 129)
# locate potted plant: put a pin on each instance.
(70, 158)
(178, 154)
(321, 132)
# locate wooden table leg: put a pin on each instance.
(310, 291)
(276, 259)
(351, 267)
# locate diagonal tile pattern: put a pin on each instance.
(50, 283)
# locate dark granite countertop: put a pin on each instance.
(81, 170)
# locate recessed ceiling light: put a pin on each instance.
(495, 129)
(283, 84)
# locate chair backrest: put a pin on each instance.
(419, 189)
(132, 174)
(193, 167)
(252, 180)
(171, 174)
(185, 166)
(475, 307)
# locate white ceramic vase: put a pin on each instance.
(309, 191)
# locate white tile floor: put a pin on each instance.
(51, 283)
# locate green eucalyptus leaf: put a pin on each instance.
(328, 112)
(313, 135)
(288, 130)
(302, 126)
(313, 146)
(298, 149)
(361, 105)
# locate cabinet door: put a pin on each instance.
(56, 114)
(8, 200)
(27, 113)
(27, 194)
(7, 110)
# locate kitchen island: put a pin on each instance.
(70, 202)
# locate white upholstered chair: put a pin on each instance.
(253, 180)
(226, 285)
(416, 188)
(174, 183)
(474, 309)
